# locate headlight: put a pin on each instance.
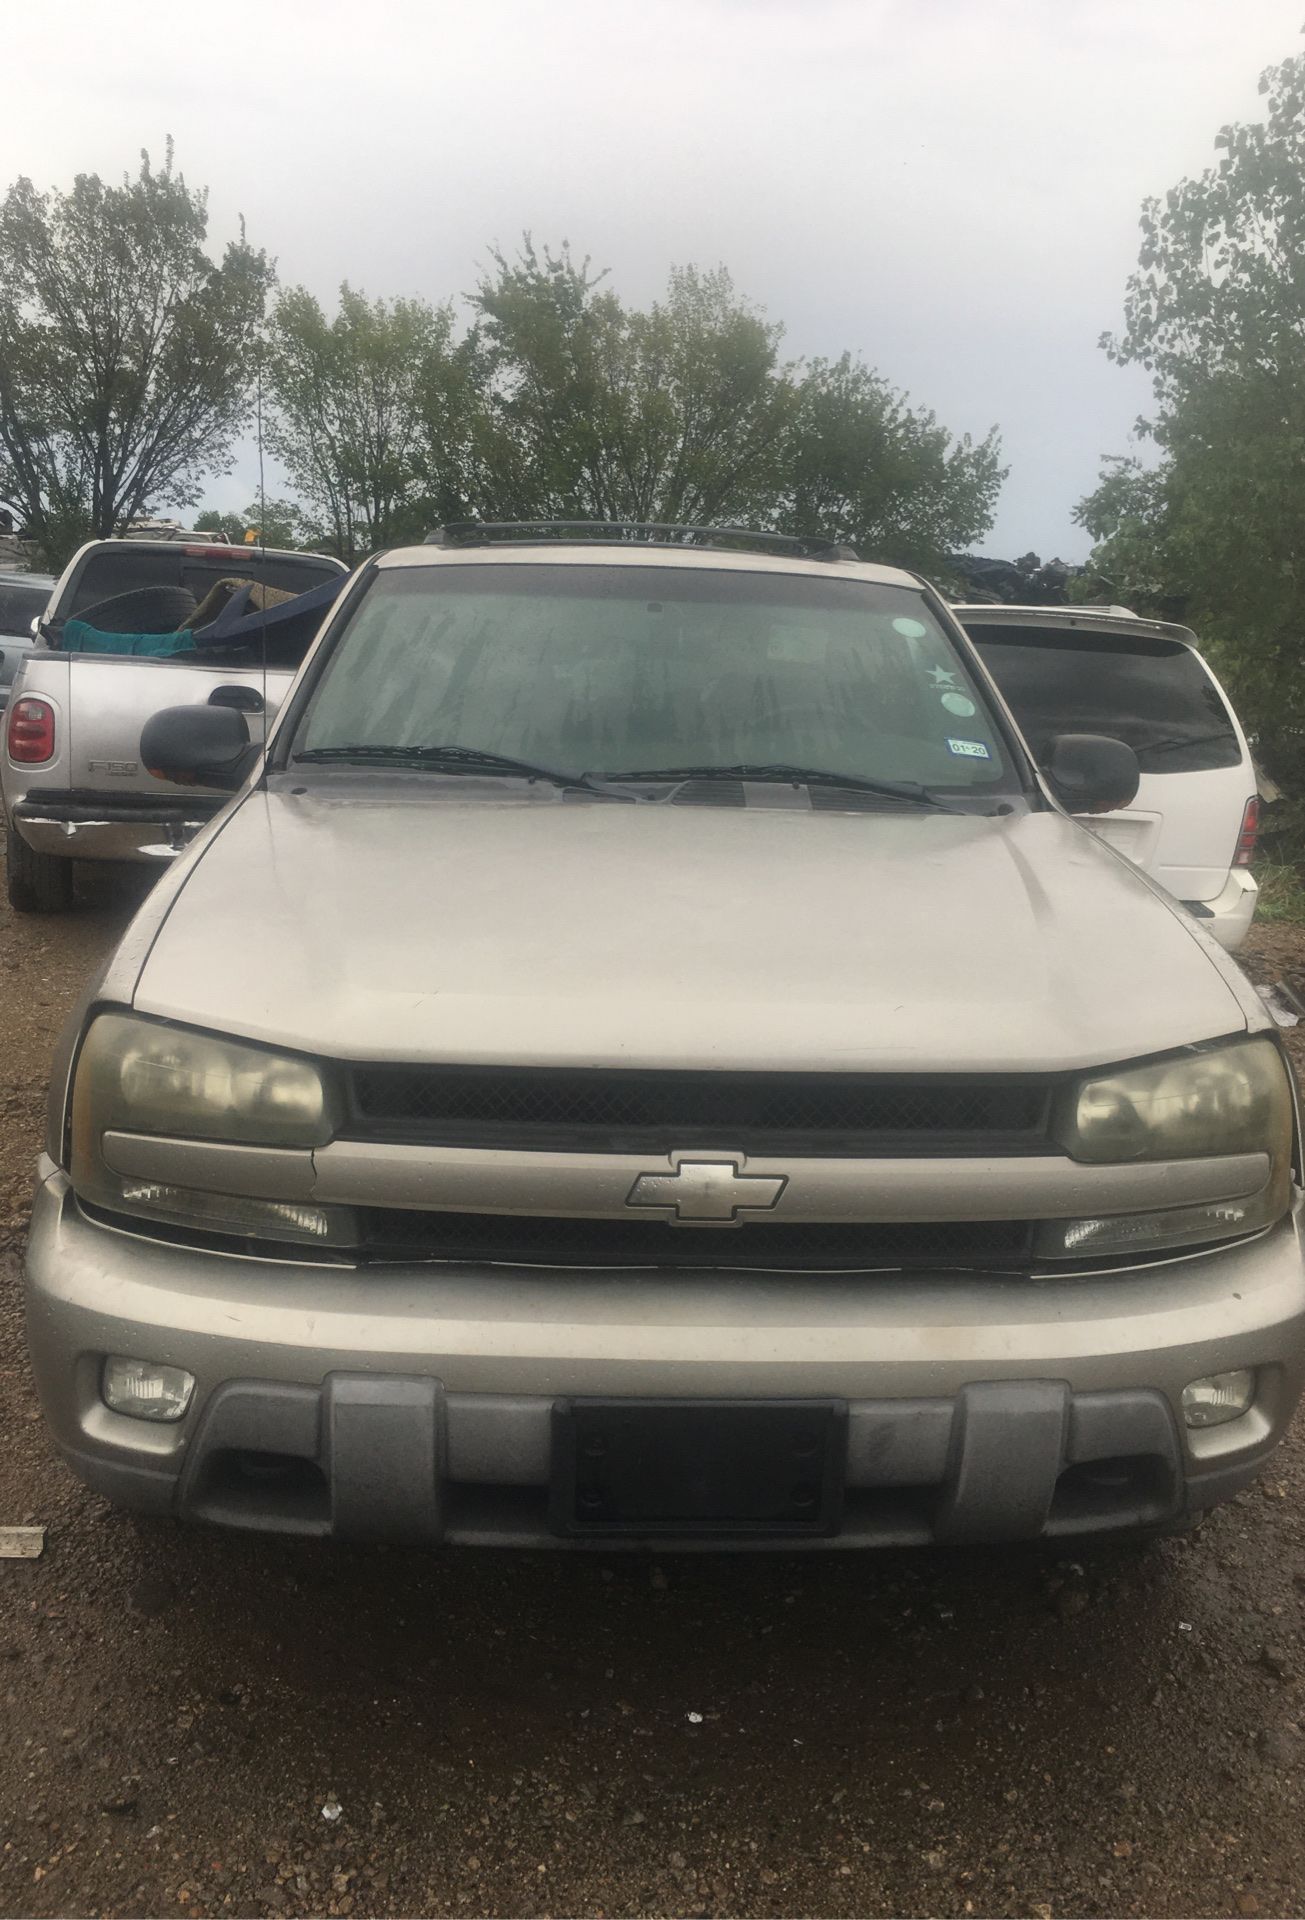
(149, 1078)
(1234, 1099)
(140, 1077)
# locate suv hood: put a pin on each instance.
(414, 924)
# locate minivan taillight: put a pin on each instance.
(31, 730)
(1246, 838)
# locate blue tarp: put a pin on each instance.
(236, 623)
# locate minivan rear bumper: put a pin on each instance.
(414, 1401)
(1229, 915)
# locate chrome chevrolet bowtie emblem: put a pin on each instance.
(707, 1190)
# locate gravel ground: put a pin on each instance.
(976, 1733)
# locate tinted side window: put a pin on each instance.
(1152, 693)
(19, 606)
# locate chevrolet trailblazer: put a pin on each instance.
(644, 1056)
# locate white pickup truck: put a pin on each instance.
(71, 777)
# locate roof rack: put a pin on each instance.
(644, 533)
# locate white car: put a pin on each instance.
(1193, 824)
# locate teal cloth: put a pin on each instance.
(77, 637)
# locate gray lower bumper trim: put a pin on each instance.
(372, 1456)
(996, 1492)
(382, 1441)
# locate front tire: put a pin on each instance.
(38, 882)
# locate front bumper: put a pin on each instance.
(416, 1401)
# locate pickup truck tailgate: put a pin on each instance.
(110, 699)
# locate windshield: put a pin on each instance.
(19, 606)
(610, 669)
(1150, 692)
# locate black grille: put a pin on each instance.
(815, 1113)
(796, 1247)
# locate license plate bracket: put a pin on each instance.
(685, 1467)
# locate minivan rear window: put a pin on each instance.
(1150, 692)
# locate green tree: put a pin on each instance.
(230, 525)
(686, 412)
(1220, 282)
(1211, 529)
(125, 351)
(354, 399)
(278, 523)
(1126, 516)
(596, 411)
(862, 466)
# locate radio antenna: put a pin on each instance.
(262, 540)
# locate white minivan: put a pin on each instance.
(1103, 670)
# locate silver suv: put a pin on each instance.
(644, 1056)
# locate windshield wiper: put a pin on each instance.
(451, 759)
(780, 771)
(1172, 742)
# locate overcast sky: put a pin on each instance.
(951, 190)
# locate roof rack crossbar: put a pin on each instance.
(648, 533)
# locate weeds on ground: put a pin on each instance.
(1282, 893)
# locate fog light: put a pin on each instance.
(1219, 1397)
(1124, 1233)
(145, 1389)
(229, 1213)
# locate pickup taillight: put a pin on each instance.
(31, 731)
(1250, 829)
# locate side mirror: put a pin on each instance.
(199, 747)
(1091, 773)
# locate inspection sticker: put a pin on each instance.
(972, 749)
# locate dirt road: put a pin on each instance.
(998, 1733)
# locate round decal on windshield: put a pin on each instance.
(957, 703)
(910, 629)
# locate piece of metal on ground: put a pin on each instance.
(1292, 989)
(21, 1543)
